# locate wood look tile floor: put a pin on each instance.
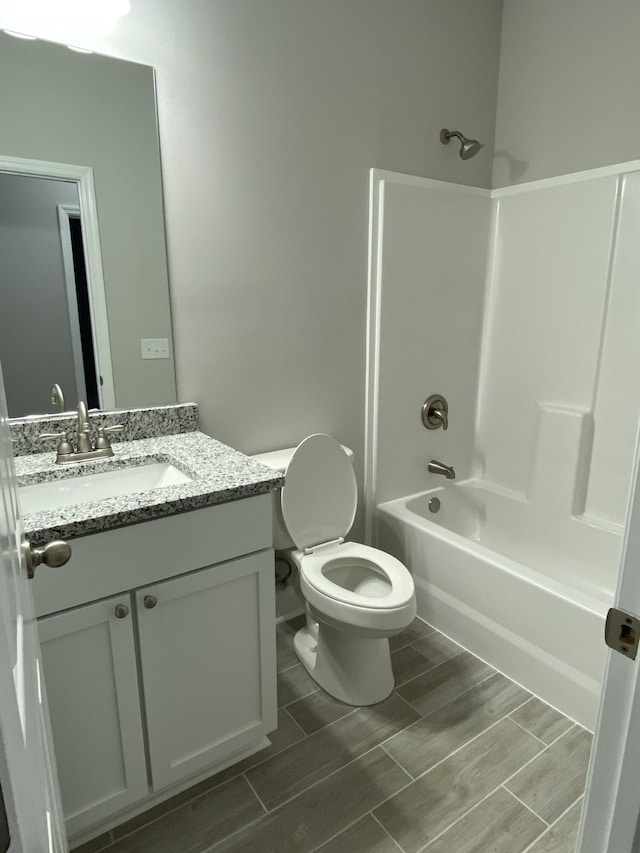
(459, 759)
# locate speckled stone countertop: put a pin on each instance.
(137, 423)
(219, 474)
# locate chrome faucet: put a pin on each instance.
(84, 449)
(436, 467)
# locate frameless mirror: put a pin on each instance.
(81, 198)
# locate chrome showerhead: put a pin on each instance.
(468, 147)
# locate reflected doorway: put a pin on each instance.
(79, 303)
(46, 329)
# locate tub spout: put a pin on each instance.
(436, 467)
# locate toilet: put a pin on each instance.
(355, 597)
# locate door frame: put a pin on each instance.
(610, 819)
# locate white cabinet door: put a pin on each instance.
(89, 664)
(207, 647)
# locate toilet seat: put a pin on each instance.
(334, 605)
(320, 494)
(362, 576)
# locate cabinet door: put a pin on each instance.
(207, 648)
(89, 665)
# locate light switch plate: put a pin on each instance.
(155, 347)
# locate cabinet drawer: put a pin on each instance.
(108, 563)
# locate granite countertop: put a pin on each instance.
(219, 474)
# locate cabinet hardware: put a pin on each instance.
(121, 611)
(149, 601)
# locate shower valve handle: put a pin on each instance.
(440, 415)
(435, 412)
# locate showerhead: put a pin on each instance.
(468, 147)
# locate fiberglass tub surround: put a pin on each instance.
(535, 355)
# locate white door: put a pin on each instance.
(610, 819)
(27, 770)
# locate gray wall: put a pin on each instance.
(83, 109)
(35, 333)
(278, 112)
(271, 114)
(568, 93)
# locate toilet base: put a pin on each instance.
(355, 670)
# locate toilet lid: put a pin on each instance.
(320, 494)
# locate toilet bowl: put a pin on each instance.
(355, 596)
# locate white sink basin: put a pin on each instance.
(94, 487)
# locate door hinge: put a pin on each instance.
(622, 632)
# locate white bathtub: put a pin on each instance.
(523, 589)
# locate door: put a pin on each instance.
(27, 769)
(207, 648)
(610, 819)
(89, 664)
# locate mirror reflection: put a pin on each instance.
(44, 283)
(83, 276)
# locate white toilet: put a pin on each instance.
(355, 596)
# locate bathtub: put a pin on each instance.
(523, 588)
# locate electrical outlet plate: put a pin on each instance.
(155, 347)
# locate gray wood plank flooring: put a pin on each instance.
(317, 710)
(458, 758)
(365, 835)
(541, 720)
(500, 823)
(562, 837)
(557, 778)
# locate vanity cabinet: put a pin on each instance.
(162, 683)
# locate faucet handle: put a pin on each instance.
(112, 428)
(102, 442)
(64, 446)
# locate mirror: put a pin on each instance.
(83, 128)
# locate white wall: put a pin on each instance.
(568, 92)
(35, 331)
(271, 114)
(433, 244)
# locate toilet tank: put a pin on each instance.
(278, 460)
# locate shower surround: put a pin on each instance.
(518, 305)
